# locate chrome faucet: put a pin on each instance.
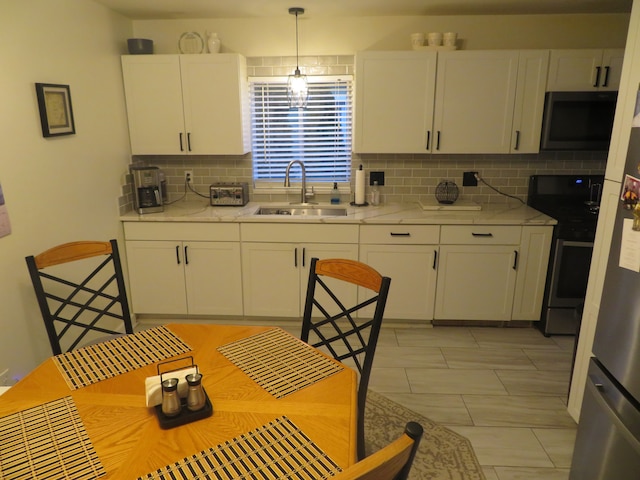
(287, 183)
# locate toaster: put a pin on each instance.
(229, 194)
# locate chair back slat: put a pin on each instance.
(89, 298)
(347, 330)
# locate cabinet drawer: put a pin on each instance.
(316, 233)
(182, 231)
(480, 235)
(400, 234)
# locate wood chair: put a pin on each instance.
(392, 462)
(84, 293)
(350, 334)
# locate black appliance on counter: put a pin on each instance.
(608, 439)
(573, 200)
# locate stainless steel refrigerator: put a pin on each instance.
(608, 439)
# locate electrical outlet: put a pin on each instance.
(376, 177)
(4, 376)
(188, 176)
(469, 179)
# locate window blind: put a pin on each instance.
(319, 135)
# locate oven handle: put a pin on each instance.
(570, 243)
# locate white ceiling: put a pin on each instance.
(177, 9)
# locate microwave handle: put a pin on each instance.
(598, 71)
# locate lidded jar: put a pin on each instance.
(170, 400)
(195, 393)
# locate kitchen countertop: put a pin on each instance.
(393, 214)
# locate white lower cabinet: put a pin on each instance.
(408, 255)
(174, 270)
(275, 263)
(477, 272)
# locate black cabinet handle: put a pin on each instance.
(482, 234)
(438, 141)
(186, 255)
(304, 256)
(189, 141)
(517, 140)
(606, 77)
(178, 254)
(428, 139)
(405, 234)
(435, 259)
(515, 260)
(598, 69)
(181, 146)
(295, 257)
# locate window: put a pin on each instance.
(319, 135)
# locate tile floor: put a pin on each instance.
(505, 389)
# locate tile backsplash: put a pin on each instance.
(408, 178)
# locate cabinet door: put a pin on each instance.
(573, 70)
(612, 68)
(271, 279)
(475, 283)
(475, 94)
(532, 272)
(213, 278)
(394, 102)
(153, 95)
(529, 102)
(412, 269)
(215, 98)
(156, 277)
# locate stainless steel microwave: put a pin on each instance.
(578, 120)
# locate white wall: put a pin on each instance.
(257, 37)
(57, 189)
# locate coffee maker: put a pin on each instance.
(147, 191)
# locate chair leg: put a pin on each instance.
(360, 434)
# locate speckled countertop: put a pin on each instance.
(513, 213)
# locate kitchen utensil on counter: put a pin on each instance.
(447, 192)
(229, 194)
(147, 191)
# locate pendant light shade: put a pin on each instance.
(297, 87)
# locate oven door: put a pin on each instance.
(570, 273)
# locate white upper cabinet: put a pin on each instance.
(394, 101)
(187, 104)
(475, 95)
(533, 66)
(465, 102)
(585, 70)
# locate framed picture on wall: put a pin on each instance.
(56, 113)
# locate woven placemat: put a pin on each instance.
(47, 442)
(100, 361)
(276, 450)
(278, 362)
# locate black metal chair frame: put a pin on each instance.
(58, 318)
(348, 328)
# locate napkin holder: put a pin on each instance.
(153, 386)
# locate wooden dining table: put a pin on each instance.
(127, 436)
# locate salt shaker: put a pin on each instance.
(170, 400)
(195, 393)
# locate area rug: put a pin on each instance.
(443, 454)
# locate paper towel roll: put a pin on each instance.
(360, 186)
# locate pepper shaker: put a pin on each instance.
(170, 400)
(195, 393)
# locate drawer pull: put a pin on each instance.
(487, 235)
(406, 234)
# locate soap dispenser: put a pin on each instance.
(335, 194)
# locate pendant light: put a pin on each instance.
(297, 88)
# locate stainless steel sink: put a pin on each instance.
(316, 211)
